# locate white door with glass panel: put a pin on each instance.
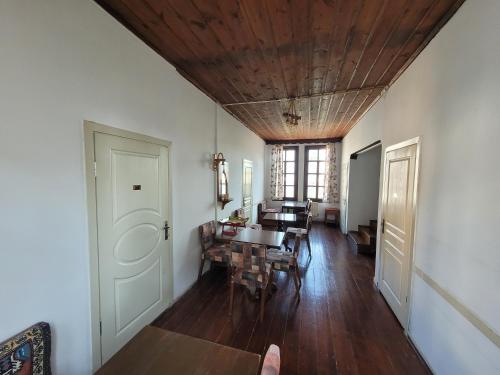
(397, 227)
(247, 189)
(132, 206)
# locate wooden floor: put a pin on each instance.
(341, 324)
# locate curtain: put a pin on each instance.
(331, 194)
(277, 185)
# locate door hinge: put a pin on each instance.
(95, 169)
(100, 328)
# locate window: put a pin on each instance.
(314, 172)
(290, 169)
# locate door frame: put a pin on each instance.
(90, 129)
(382, 196)
(243, 187)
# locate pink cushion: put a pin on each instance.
(271, 365)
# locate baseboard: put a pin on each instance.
(419, 354)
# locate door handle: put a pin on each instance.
(166, 228)
(383, 225)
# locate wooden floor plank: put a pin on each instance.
(341, 325)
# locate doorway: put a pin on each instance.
(129, 215)
(363, 199)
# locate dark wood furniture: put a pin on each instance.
(283, 220)
(155, 351)
(293, 207)
(332, 216)
(268, 238)
(233, 223)
(331, 331)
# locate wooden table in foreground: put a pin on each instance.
(268, 238)
(155, 351)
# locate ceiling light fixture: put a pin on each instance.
(291, 116)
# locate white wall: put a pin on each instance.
(364, 177)
(62, 62)
(300, 190)
(450, 98)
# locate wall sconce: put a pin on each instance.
(217, 159)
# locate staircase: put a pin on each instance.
(364, 240)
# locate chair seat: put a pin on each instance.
(280, 259)
(217, 253)
(252, 279)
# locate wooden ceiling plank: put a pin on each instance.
(363, 32)
(398, 39)
(422, 34)
(177, 45)
(370, 101)
(182, 18)
(393, 16)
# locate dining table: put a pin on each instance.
(155, 351)
(282, 219)
(268, 238)
(293, 206)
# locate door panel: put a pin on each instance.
(132, 206)
(247, 189)
(396, 242)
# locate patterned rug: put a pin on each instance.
(27, 353)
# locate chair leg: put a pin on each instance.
(263, 295)
(231, 297)
(296, 281)
(308, 245)
(201, 269)
(297, 273)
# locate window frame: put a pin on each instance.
(296, 173)
(306, 170)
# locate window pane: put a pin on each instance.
(289, 179)
(320, 192)
(311, 192)
(289, 191)
(311, 180)
(290, 167)
(290, 155)
(321, 165)
(321, 180)
(322, 154)
(312, 167)
(313, 154)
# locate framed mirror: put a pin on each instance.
(223, 183)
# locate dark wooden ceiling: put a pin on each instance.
(336, 56)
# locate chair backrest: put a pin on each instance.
(308, 205)
(248, 257)
(207, 234)
(309, 222)
(271, 364)
(263, 204)
(255, 226)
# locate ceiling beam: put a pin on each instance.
(337, 92)
(302, 141)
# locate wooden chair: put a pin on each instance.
(271, 363)
(285, 261)
(249, 268)
(267, 224)
(210, 249)
(304, 232)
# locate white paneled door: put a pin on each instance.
(247, 189)
(132, 206)
(397, 227)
